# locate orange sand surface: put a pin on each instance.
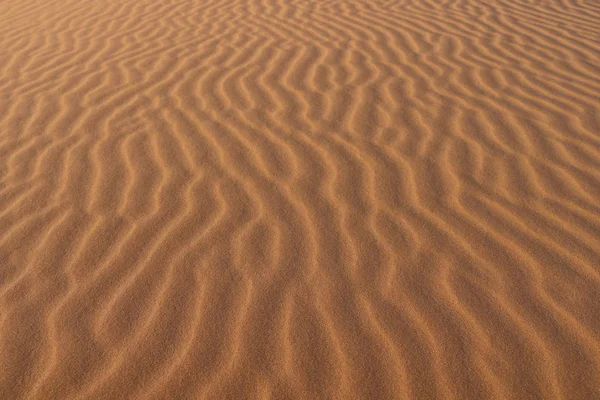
(299, 199)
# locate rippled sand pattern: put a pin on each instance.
(272, 199)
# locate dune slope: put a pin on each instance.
(337, 199)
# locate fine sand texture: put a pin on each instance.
(300, 199)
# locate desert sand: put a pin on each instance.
(303, 199)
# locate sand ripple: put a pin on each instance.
(299, 199)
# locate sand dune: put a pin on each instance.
(304, 199)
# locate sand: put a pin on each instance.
(273, 199)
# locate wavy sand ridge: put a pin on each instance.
(299, 199)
